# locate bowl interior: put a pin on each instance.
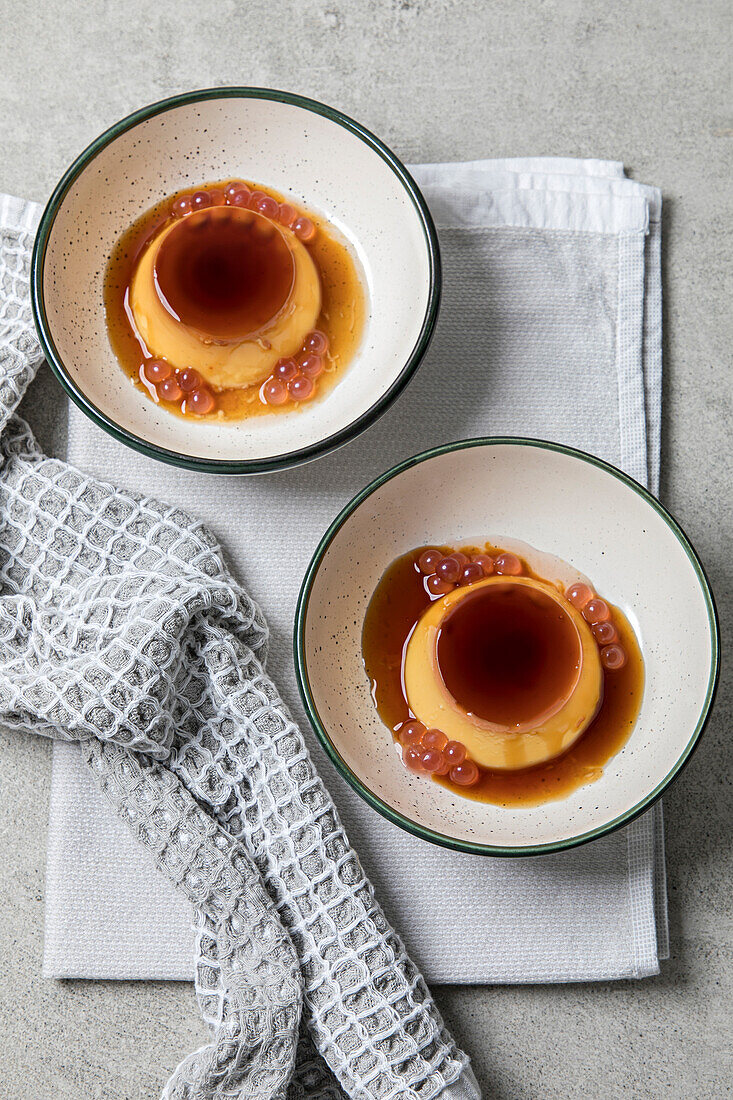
(312, 158)
(564, 505)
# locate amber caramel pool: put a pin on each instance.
(398, 602)
(342, 317)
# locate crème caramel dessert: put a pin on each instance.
(503, 684)
(228, 302)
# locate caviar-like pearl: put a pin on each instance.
(312, 366)
(464, 775)
(508, 564)
(596, 611)
(285, 369)
(472, 573)
(412, 758)
(240, 197)
(613, 657)
(461, 558)
(300, 388)
(266, 205)
(200, 402)
(449, 569)
(232, 188)
(428, 560)
(579, 594)
(432, 760)
(200, 200)
(444, 766)
(155, 370)
(189, 379)
(256, 198)
(455, 752)
(274, 392)
(304, 229)
(169, 390)
(216, 197)
(486, 562)
(287, 214)
(411, 732)
(436, 586)
(317, 342)
(605, 633)
(181, 206)
(434, 739)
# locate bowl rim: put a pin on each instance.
(374, 800)
(285, 459)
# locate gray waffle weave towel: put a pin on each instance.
(121, 628)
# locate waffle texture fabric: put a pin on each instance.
(121, 628)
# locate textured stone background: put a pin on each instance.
(647, 83)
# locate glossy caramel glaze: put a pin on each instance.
(398, 602)
(487, 664)
(342, 318)
(224, 272)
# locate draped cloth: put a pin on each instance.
(122, 628)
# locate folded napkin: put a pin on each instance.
(121, 629)
(550, 326)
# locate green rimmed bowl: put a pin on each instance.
(562, 502)
(308, 151)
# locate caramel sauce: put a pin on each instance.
(508, 655)
(399, 601)
(343, 307)
(225, 272)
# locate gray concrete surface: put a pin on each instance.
(644, 82)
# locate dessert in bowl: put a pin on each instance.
(227, 302)
(484, 643)
(235, 280)
(500, 672)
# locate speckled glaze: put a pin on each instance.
(564, 503)
(312, 154)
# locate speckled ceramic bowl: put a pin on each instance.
(304, 149)
(559, 501)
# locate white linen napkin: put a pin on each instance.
(550, 326)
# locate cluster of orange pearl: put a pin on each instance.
(238, 194)
(429, 752)
(295, 378)
(444, 572)
(597, 613)
(185, 388)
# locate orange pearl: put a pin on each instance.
(287, 214)
(304, 229)
(428, 560)
(464, 775)
(613, 657)
(274, 392)
(436, 586)
(596, 611)
(411, 733)
(508, 564)
(200, 402)
(579, 594)
(486, 562)
(155, 370)
(189, 379)
(169, 390)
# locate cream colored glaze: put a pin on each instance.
(501, 748)
(235, 365)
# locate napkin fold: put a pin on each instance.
(550, 326)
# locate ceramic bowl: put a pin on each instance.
(559, 501)
(312, 153)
